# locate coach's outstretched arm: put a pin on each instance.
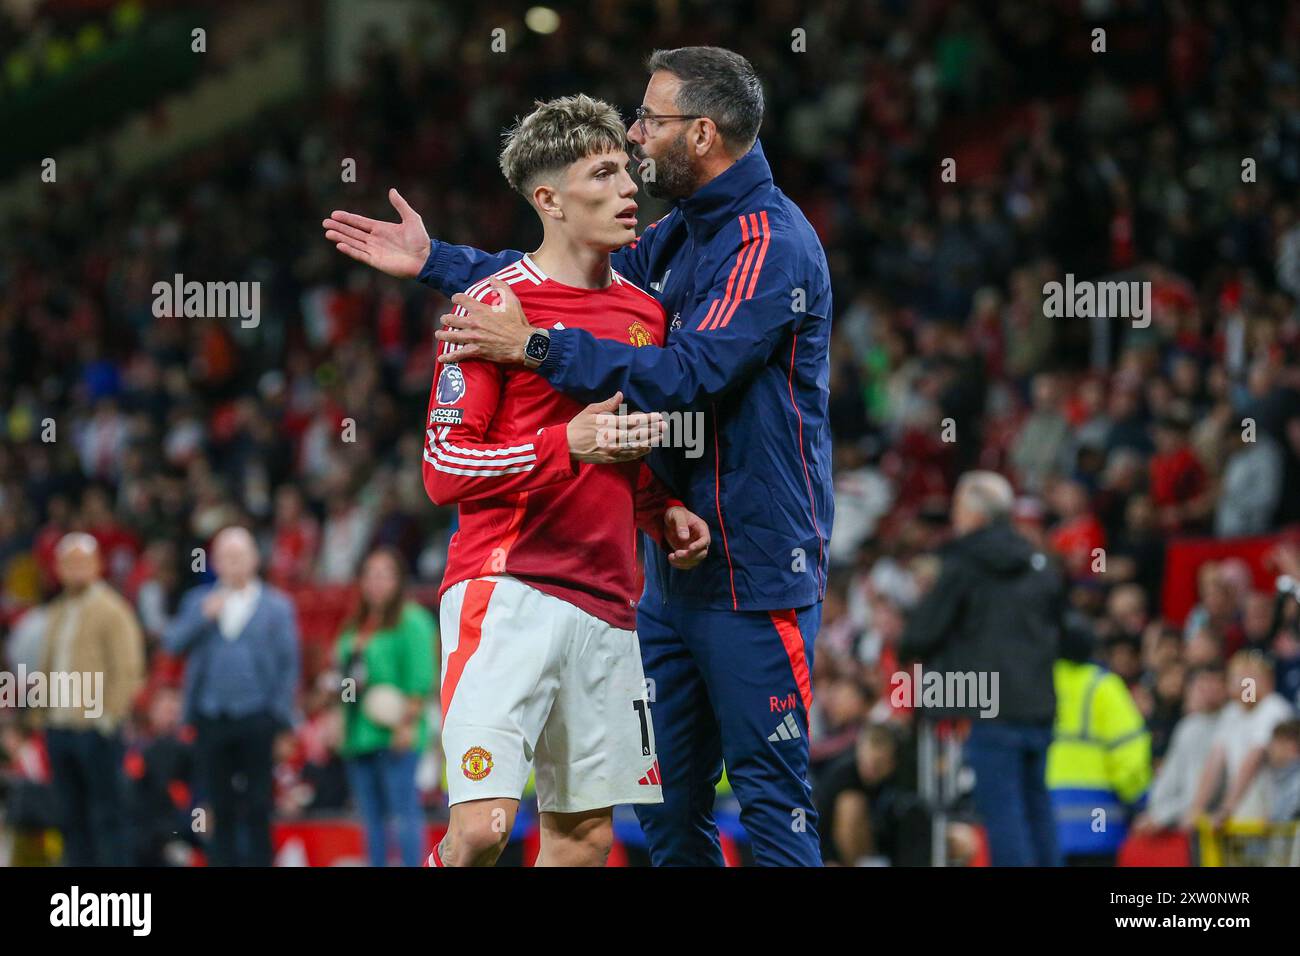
(749, 311)
(404, 249)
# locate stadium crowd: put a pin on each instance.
(153, 433)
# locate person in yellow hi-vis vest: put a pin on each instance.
(1099, 764)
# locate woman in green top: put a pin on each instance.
(386, 654)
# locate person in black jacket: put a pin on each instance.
(992, 621)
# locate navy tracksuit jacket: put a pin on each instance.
(728, 645)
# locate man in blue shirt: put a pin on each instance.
(742, 277)
(241, 640)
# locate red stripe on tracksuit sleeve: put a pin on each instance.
(731, 279)
(713, 307)
(767, 235)
(758, 267)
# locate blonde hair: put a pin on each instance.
(558, 132)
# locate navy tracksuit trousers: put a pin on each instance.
(733, 687)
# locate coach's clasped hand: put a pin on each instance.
(600, 435)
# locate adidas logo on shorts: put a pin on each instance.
(785, 730)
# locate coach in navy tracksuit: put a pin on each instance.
(744, 282)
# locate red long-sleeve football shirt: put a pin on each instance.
(497, 445)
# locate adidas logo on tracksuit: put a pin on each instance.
(786, 730)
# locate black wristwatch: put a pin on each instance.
(535, 349)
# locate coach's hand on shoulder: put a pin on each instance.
(688, 535)
(600, 435)
(495, 332)
(397, 248)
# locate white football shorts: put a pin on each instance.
(530, 679)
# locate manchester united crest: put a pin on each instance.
(476, 763)
(638, 335)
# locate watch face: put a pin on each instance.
(537, 347)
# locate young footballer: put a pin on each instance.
(541, 665)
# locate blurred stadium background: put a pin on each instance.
(219, 165)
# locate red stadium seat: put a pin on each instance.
(1162, 849)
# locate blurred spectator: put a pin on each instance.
(92, 636)
(1252, 486)
(1123, 656)
(161, 782)
(995, 609)
(348, 524)
(1189, 750)
(241, 640)
(158, 593)
(310, 775)
(386, 655)
(868, 812)
(1099, 766)
(1204, 647)
(1180, 488)
(296, 537)
(1128, 430)
(118, 545)
(26, 641)
(1138, 550)
(1284, 772)
(1040, 448)
(31, 808)
(1078, 537)
(1165, 708)
(1257, 621)
(1240, 745)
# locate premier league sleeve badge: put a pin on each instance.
(451, 385)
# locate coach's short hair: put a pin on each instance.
(558, 132)
(719, 84)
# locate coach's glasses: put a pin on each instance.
(642, 114)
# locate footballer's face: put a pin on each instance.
(659, 143)
(597, 200)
